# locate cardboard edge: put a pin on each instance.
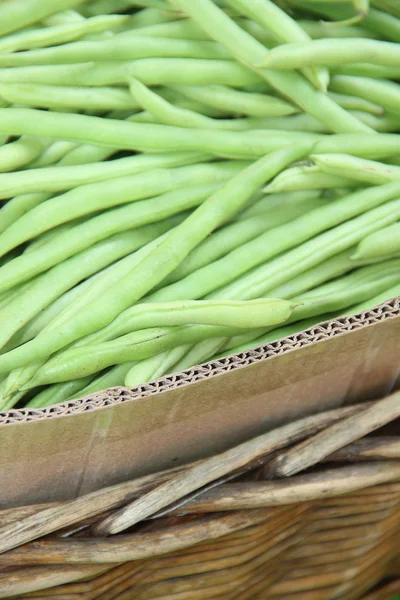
(316, 334)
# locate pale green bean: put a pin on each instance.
(134, 136)
(219, 207)
(387, 93)
(19, 153)
(99, 228)
(119, 47)
(152, 368)
(249, 51)
(365, 171)
(62, 97)
(58, 34)
(19, 13)
(332, 52)
(232, 236)
(151, 71)
(237, 101)
(386, 241)
(285, 29)
(59, 178)
(98, 196)
(307, 178)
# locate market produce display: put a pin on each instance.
(185, 179)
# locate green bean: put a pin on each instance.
(355, 103)
(58, 34)
(389, 6)
(219, 207)
(195, 355)
(47, 287)
(55, 394)
(318, 309)
(243, 345)
(152, 368)
(129, 347)
(55, 179)
(151, 71)
(385, 92)
(189, 312)
(268, 206)
(112, 378)
(383, 242)
(236, 101)
(234, 235)
(58, 96)
(19, 13)
(364, 275)
(364, 146)
(384, 296)
(330, 217)
(100, 227)
(366, 171)
(134, 136)
(105, 7)
(97, 196)
(376, 21)
(15, 155)
(52, 154)
(292, 273)
(167, 113)
(183, 29)
(89, 289)
(284, 29)
(332, 52)
(366, 70)
(258, 282)
(19, 206)
(84, 154)
(319, 29)
(248, 51)
(119, 47)
(307, 178)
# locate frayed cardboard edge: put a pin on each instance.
(315, 334)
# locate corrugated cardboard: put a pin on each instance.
(77, 447)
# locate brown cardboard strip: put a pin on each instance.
(70, 449)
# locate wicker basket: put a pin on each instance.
(309, 511)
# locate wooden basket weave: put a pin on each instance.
(309, 511)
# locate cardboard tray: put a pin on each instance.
(70, 449)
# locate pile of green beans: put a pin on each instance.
(182, 180)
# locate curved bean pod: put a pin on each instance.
(129, 347)
(15, 155)
(386, 241)
(307, 178)
(332, 52)
(366, 171)
(58, 34)
(387, 93)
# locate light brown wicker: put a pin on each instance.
(233, 526)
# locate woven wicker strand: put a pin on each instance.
(309, 511)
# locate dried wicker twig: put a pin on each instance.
(336, 436)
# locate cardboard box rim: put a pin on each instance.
(316, 334)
